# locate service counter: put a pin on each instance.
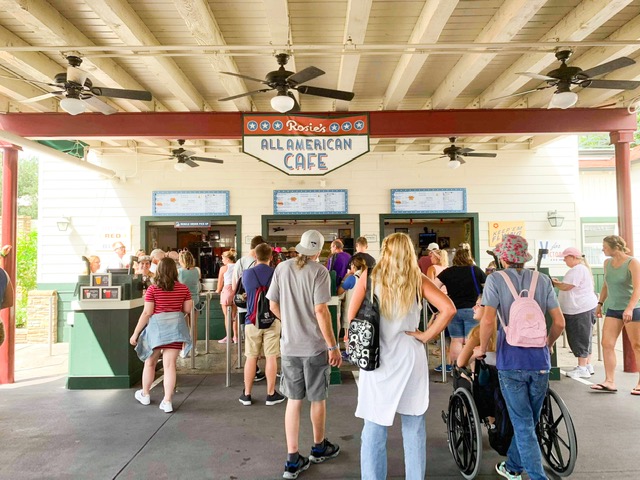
(100, 355)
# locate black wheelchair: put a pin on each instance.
(555, 430)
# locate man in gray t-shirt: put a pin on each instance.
(299, 293)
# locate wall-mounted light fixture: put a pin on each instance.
(63, 223)
(554, 219)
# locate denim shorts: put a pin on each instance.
(635, 316)
(305, 376)
(462, 323)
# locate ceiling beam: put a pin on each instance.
(202, 24)
(385, 124)
(40, 17)
(432, 20)
(507, 22)
(355, 28)
(120, 17)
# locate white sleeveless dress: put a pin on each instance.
(401, 383)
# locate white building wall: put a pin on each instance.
(517, 185)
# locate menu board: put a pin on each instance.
(207, 202)
(429, 200)
(309, 202)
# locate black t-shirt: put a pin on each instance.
(460, 286)
(368, 259)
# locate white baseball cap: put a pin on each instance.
(311, 243)
(433, 246)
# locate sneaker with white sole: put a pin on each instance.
(591, 369)
(245, 399)
(501, 468)
(579, 372)
(166, 407)
(142, 398)
(330, 451)
(292, 470)
(275, 398)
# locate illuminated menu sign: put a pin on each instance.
(309, 202)
(429, 200)
(190, 203)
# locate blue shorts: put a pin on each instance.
(462, 323)
(635, 316)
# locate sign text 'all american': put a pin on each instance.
(306, 153)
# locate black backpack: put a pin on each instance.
(364, 333)
(240, 295)
(262, 316)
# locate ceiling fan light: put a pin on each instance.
(563, 100)
(453, 164)
(282, 103)
(73, 106)
(181, 167)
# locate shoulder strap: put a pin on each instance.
(475, 281)
(534, 283)
(509, 283)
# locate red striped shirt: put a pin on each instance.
(167, 301)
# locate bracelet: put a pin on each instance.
(331, 349)
(600, 303)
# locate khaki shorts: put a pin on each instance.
(305, 376)
(257, 340)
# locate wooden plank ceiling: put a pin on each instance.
(393, 54)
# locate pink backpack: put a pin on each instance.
(527, 325)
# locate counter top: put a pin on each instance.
(78, 305)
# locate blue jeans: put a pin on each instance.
(462, 323)
(373, 450)
(524, 392)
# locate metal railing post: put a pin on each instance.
(207, 333)
(51, 325)
(239, 364)
(228, 344)
(598, 336)
(443, 357)
(194, 337)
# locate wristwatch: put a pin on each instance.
(331, 349)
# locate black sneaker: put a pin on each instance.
(259, 376)
(292, 470)
(330, 451)
(245, 399)
(275, 398)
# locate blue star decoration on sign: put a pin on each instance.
(359, 124)
(264, 125)
(252, 125)
(277, 125)
(334, 127)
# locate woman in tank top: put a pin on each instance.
(226, 293)
(621, 290)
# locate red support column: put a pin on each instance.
(621, 140)
(9, 213)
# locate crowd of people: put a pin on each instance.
(472, 304)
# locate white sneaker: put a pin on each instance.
(579, 372)
(166, 407)
(142, 398)
(590, 369)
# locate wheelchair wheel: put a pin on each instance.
(464, 433)
(557, 436)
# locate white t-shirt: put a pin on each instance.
(581, 298)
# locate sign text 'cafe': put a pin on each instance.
(305, 144)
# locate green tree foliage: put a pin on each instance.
(26, 273)
(599, 141)
(27, 187)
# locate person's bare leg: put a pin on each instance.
(292, 424)
(149, 371)
(234, 316)
(249, 373)
(169, 357)
(454, 349)
(610, 333)
(318, 418)
(582, 361)
(270, 370)
(633, 331)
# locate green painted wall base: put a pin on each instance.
(100, 383)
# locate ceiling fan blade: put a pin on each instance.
(537, 76)
(42, 97)
(465, 150)
(479, 154)
(460, 159)
(120, 93)
(612, 84)
(305, 75)
(326, 92)
(233, 97)
(99, 105)
(191, 163)
(245, 77)
(207, 160)
(431, 159)
(296, 105)
(22, 79)
(608, 67)
(76, 75)
(185, 153)
(432, 153)
(521, 93)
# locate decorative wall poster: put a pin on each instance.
(554, 257)
(190, 203)
(429, 200)
(309, 202)
(305, 144)
(109, 233)
(498, 229)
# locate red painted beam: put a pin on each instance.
(386, 124)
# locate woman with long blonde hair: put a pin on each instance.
(401, 383)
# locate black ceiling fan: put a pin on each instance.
(564, 76)
(455, 154)
(187, 157)
(283, 81)
(76, 91)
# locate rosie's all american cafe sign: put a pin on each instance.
(305, 144)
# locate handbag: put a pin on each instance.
(240, 295)
(364, 333)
